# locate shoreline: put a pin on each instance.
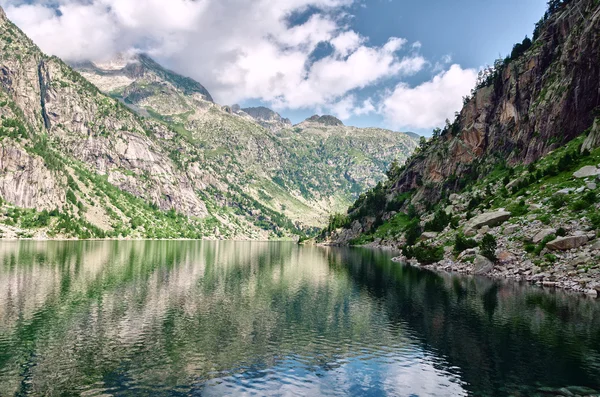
(522, 272)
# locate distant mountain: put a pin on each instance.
(267, 117)
(116, 75)
(326, 120)
(76, 162)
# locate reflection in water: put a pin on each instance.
(214, 318)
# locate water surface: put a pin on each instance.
(176, 318)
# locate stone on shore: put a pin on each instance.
(567, 243)
(482, 265)
(490, 219)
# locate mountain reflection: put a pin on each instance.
(213, 318)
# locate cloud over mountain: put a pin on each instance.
(290, 54)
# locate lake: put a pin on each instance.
(199, 318)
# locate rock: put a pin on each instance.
(593, 139)
(484, 229)
(580, 189)
(592, 292)
(428, 236)
(591, 186)
(587, 171)
(482, 265)
(454, 197)
(542, 234)
(468, 252)
(567, 243)
(565, 191)
(490, 219)
(510, 229)
(506, 257)
(449, 210)
(595, 245)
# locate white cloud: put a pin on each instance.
(428, 105)
(247, 49)
(239, 49)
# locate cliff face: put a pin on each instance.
(538, 102)
(541, 100)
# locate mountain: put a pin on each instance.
(267, 118)
(524, 147)
(141, 151)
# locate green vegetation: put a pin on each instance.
(488, 247)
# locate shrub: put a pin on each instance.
(550, 258)
(561, 232)
(558, 201)
(540, 247)
(518, 209)
(439, 222)
(580, 205)
(462, 243)
(425, 254)
(488, 247)
(529, 247)
(413, 232)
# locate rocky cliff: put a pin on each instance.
(526, 106)
(510, 188)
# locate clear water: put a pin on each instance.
(237, 318)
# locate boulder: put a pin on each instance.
(510, 229)
(482, 265)
(542, 234)
(506, 257)
(591, 186)
(565, 191)
(587, 171)
(567, 243)
(595, 246)
(490, 219)
(428, 236)
(593, 139)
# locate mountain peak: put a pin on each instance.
(325, 119)
(2, 14)
(268, 118)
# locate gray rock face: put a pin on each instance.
(587, 171)
(26, 182)
(428, 236)
(482, 265)
(542, 234)
(593, 139)
(567, 243)
(490, 219)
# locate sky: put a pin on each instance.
(398, 64)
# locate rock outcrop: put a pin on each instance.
(567, 243)
(487, 219)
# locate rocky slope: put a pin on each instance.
(297, 171)
(156, 157)
(518, 145)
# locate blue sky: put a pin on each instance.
(473, 33)
(398, 64)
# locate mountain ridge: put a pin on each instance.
(156, 158)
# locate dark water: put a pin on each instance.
(215, 318)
